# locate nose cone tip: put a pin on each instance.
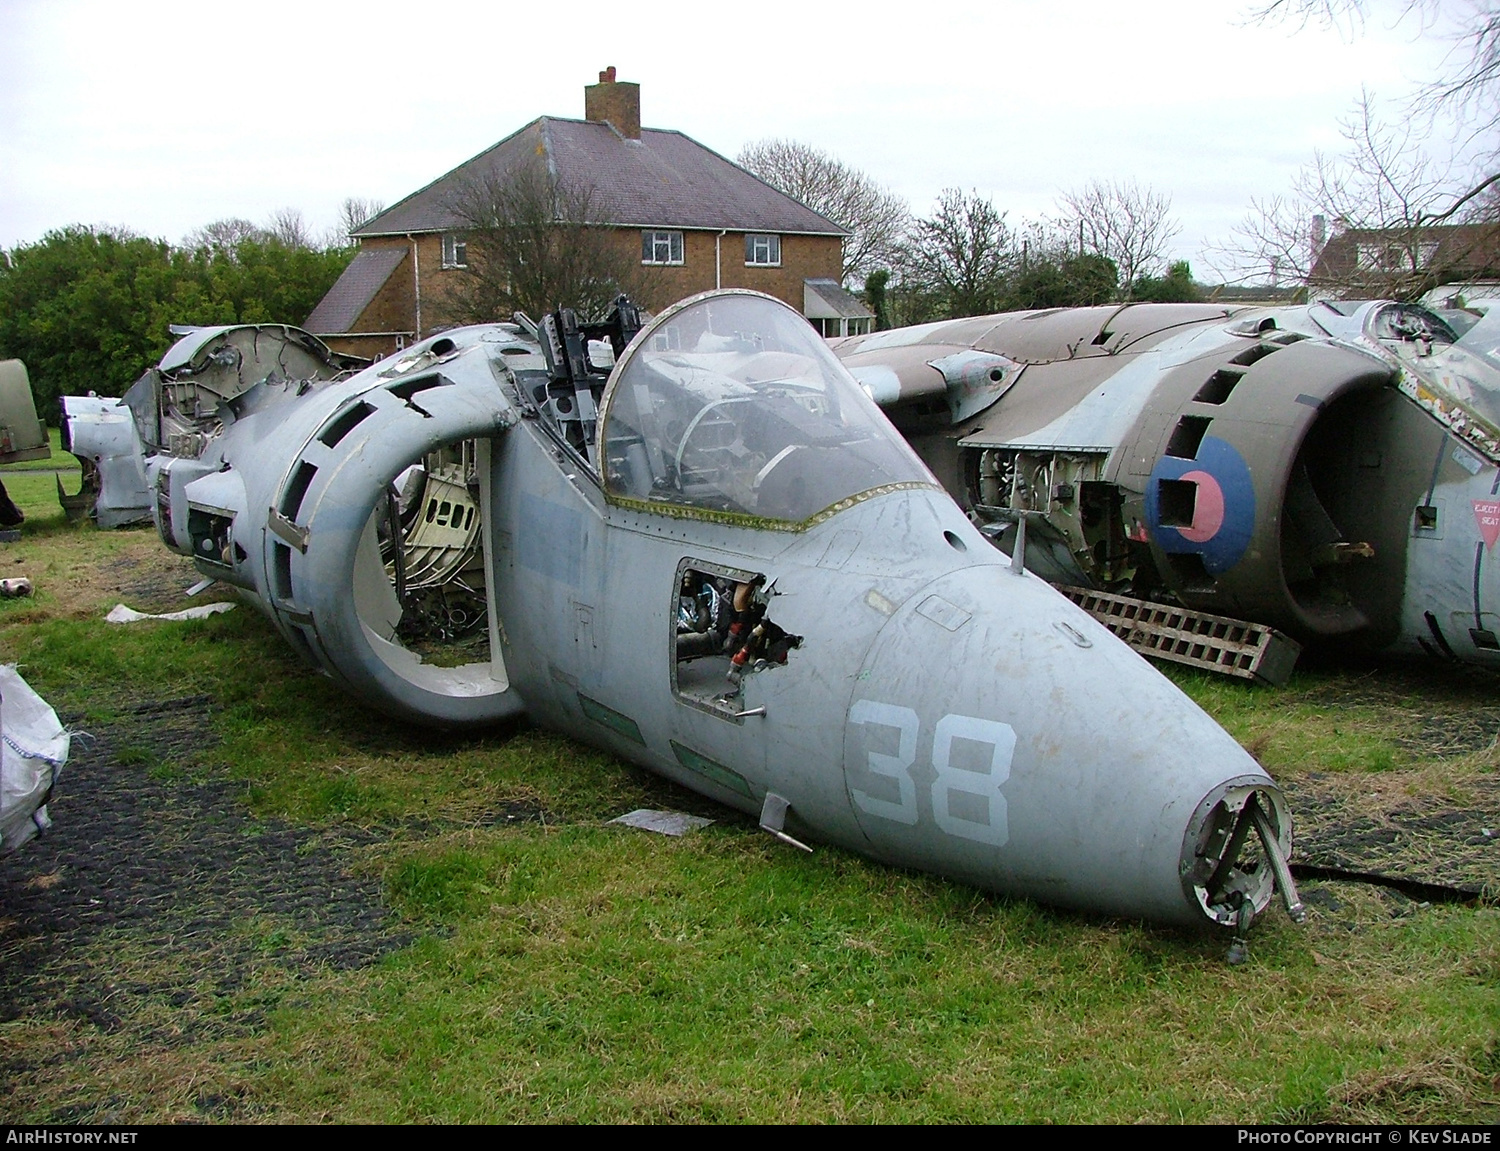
(1048, 759)
(1235, 852)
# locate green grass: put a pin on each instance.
(1285, 729)
(591, 974)
(563, 968)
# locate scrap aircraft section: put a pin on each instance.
(22, 435)
(697, 543)
(1326, 470)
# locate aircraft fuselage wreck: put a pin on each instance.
(702, 547)
(1330, 470)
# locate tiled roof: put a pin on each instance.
(352, 292)
(664, 179)
(1447, 250)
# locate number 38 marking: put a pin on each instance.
(985, 786)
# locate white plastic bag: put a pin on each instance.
(33, 749)
(122, 614)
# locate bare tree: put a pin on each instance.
(1474, 83)
(534, 243)
(1386, 178)
(1121, 221)
(955, 262)
(875, 218)
(224, 234)
(1469, 79)
(1483, 206)
(354, 213)
(1276, 243)
(1382, 204)
(288, 228)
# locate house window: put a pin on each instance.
(1394, 256)
(763, 250)
(668, 339)
(661, 247)
(455, 252)
(1380, 257)
(829, 328)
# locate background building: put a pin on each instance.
(1403, 263)
(693, 218)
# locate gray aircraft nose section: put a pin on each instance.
(1025, 748)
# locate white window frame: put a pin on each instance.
(832, 327)
(455, 251)
(758, 243)
(664, 247)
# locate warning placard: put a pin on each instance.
(1487, 512)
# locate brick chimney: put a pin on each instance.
(618, 102)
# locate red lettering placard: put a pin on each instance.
(1487, 512)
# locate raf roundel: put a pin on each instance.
(1208, 510)
(1223, 510)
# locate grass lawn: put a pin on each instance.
(261, 901)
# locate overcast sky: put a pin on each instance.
(161, 116)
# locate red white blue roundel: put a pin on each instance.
(1223, 510)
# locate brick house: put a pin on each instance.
(1366, 263)
(698, 220)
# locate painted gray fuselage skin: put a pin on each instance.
(944, 710)
(1088, 720)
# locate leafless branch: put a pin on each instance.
(223, 234)
(1468, 81)
(354, 213)
(875, 218)
(1385, 204)
(1274, 243)
(1486, 205)
(288, 228)
(1121, 221)
(534, 244)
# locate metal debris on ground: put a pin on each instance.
(122, 614)
(1198, 639)
(662, 822)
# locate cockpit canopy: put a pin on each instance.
(730, 406)
(1455, 373)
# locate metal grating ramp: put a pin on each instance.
(1215, 642)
